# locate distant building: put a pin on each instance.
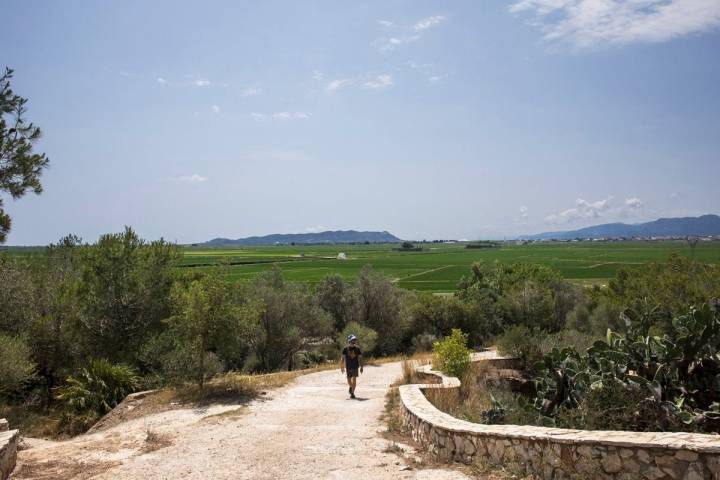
(342, 256)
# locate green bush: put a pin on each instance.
(520, 342)
(452, 356)
(367, 337)
(670, 380)
(99, 387)
(16, 368)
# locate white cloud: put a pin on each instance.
(194, 178)
(250, 92)
(674, 195)
(418, 66)
(318, 75)
(523, 211)
(437, 78)
(584, 210)
(393, 42)
(428, 22)
(281, 116)
(161, 81)
(215, 108)
(124, 73)
(290, 115)
(381, 81)
(584, 24)
(633, 202)
(202, 83)
(386, 23)
(336, 85)
(316, 229)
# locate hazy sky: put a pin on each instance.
(430, 119)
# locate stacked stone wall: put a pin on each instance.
(8, 449)
(555, 453)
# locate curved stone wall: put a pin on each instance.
(556, 453)
(8, 449)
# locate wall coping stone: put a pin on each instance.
(415, 401)
(8, 452)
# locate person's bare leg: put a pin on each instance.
(353, 383)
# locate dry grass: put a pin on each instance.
(56, 469)
(155, 441)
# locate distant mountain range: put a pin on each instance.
(665, 227)
(340, 236)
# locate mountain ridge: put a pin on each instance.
(704, 225)
(329, 236)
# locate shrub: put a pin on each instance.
(452, 354)
(367, 337)
(518, 341)
(99, 387)
(423, 342)
(675, 376)
(577, 340)
(15, 366)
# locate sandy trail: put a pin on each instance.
(306, 430)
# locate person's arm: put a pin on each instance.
(342, 363)
(360, 361)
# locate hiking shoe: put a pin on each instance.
(352, 395)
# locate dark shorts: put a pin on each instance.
(351, 372)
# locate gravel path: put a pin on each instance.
(307, 430)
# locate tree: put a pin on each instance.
(52, 334)
(289, 320)
(16, 368)
(206, 320)
(20, 168)
(125, 290)
(17, 298)
(337, 298)
(380, 308)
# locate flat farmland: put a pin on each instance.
(439, 267)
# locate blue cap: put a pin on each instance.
(351, 337)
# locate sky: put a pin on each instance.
(429, 119)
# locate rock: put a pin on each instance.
(469, 447)
(694, 472)
(713, 465)
(584, 451)
(643, 456)
(612, 463)
(686, 455)
(626, 453)
(653, 473)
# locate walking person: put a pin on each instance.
(351, 362)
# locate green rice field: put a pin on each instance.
(439, 267)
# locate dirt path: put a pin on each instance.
(306, 430)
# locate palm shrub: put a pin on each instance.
(452, 355)
(99, 387)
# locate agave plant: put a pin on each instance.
(99, 387)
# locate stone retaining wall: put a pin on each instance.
(555, 453)
(8, 449)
